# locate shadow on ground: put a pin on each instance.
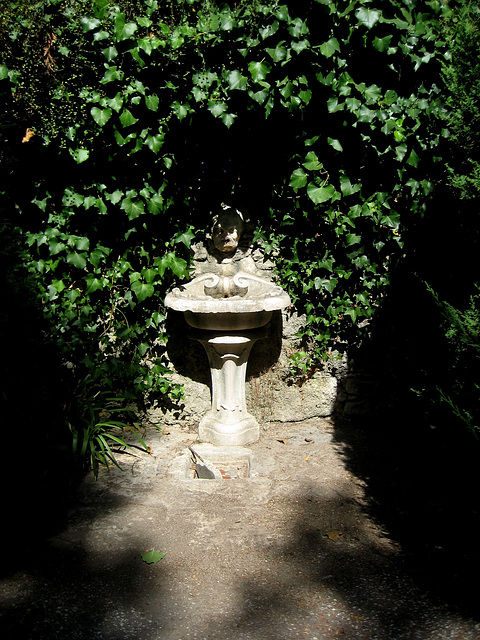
(291, 579)
(422, 487)
(419, 465)
(304, 584)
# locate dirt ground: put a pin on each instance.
(335, 534)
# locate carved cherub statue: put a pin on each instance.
(228, 227)
(227, 249)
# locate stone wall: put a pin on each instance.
(272, 394)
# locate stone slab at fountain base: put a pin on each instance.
(244, 431)
(220, 463)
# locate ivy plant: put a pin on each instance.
(320, 117)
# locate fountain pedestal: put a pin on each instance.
(228, 421)
(228, 327)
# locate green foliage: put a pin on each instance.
(320, 117)
(461, 389)
(96, 429)
(455, 214)
(462, 82)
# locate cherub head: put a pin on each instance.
(228, 227)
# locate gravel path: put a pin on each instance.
(293, 551)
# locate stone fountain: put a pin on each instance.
(228, 308)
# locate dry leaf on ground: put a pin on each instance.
(334, 535)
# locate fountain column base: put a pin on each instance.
(238, 434)
(228, 423)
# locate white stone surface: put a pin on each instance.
(229, 322)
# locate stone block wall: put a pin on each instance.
(272, 394)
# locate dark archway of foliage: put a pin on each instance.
(320, 118)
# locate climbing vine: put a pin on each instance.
(320, 117)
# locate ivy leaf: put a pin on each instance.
(80, 155)
(352, 238)
(328, 48)
(333, 105)
(186, 238)
(299, 46)
(152, 556)
(228, 119)
(367, 17)
(101, 35)
(145, 22)
(312, 162)
(353, 312)
(149, 275)
(111, 74)
(77, 260)
(372, 94)
(401, 150)
(278, 54)
(298, 179)
(56, 247)
(392, 220)
(258, 71)
(282, 13)
(346, 186)
(154, 204)
(135, 53)
(237, 81)
(110, 53)
(82, 244)
(114, 197)
(217, 108)
(116, 102)
(93, 284)
(101, 116)
(142, 290)
(333, 142)
(382, 44)
(259, 96)
(124, 30)
(413, 159)
(127, 119)
(155, 143)
(198, 94)
(170, 261)
(88, 24)
(328, 284)
(306, 95)
(227, 22)
(269, 30)
(152, 102)
(89, 201)
(96, 256)
(180, 110)
(133, 208)
(365, 114)
(320, 194)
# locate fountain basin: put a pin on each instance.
(250, 308)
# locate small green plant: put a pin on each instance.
(97, 435)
